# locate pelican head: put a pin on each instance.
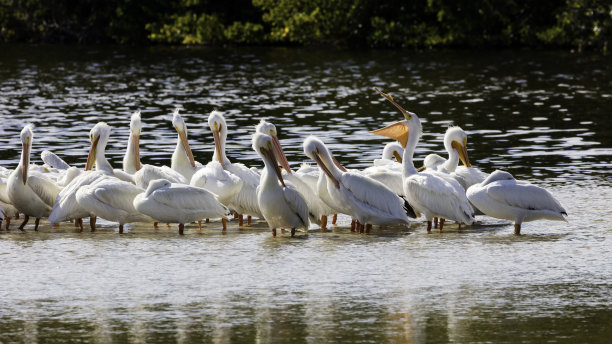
(315, 149)
(155, 185)
(26, 135)
(217, 125)
(400, 130)
(135, 128)
(181, 129)
(268, 128)
(98, 135)
(263, 145)
(456, 138)
(393, 149)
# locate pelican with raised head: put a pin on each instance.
(32, 195)
(428, 192)
(281, 205)
(182, 158)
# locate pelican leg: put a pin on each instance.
(181, 229)
(207, 220)
(323, 223)
(224, 223)
(248, 220)
(357, 226)
(120, 228)
(155, 224)
(435, 222)
(517, 229)
(200, 225)
(368, 227)
(0, 224)
(273, 232)
(292, 232)
(17, 216)
(352, 225)
(79, 223)
(236, 215)
(25, 221)
(36, 222)
(76, 223)
(441, 224)
(334, 219)
(283, 230)
(240, 220)
(459, 228)
(92, 223)
(8, 222)
(428, 226)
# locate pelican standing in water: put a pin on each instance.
(9, 211)
(317, 208)
(245, 200)
(363, 198)
(281, 205)
(182, 158)
(143, 174)
(111, 199)
(503, 197)
(178, 203)
(32, 195)
(428, 192)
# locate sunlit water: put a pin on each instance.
(542, 116)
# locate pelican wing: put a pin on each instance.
(297, 204)
(53, 160)
(439, 197)
(189, 198)
(371, 193)
(525, 196)
(470, 175)
(66, 206)
(44, 188)
(111, 199)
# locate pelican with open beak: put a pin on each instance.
(361, 197)
(428, 192)
(282, 206)
(32, 195)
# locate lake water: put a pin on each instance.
(543, 116)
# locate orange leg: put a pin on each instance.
(207, 220)
(273, 232)
(441, 224)
(517, 229)
(240, 220)
(248, 220)
(323, 223)
(428, 226)
(368, 227)
(224, 223)
(352, 225)
(334, 219)
(36, 223)
(292, 232)
(120, 228)
(92, 223)
(8, 222)
(435, 222)
(200, 225)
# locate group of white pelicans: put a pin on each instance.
(387, 193)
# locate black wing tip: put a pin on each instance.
(408, 208)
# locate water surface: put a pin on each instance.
(543, 116)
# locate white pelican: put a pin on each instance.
(182, 158)
(281, 205)
(66, 206)
(428, 192)
(245, 200)
(503, 197)
(111, 199)
(143, 174)
(318, 210)
(363, 198)
(32, 195)
(177, 203)
(455, 143)
(131, 159)
(8, 209)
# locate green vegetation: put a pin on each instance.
(576, 24)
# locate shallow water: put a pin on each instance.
(543, 116)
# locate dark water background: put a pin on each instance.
(543, 116)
